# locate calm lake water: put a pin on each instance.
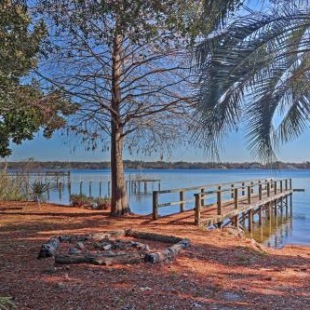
(295, 230)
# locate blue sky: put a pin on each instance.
(60, 149)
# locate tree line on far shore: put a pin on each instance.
(141, 165)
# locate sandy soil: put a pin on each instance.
(221, 270)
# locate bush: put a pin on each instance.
(39, 189)
(103, 203)
(83, 201)
(10, 187)
(79, 200)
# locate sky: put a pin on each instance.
(59, 148)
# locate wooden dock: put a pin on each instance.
(228, 203)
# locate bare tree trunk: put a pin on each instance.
(119, 203)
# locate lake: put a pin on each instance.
(295, 230)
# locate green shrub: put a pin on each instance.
(39, 189)
(10, 187)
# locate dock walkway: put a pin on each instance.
(228, 203)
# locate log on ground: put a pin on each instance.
(100, 259)
(108, 235)
(152, 236)
(70, 259)
(167, 254)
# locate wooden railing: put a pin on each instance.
(218, 192)
(259, 189)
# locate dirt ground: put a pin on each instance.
(221, 270)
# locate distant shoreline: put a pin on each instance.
(141, 165)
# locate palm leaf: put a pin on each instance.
(254, 71)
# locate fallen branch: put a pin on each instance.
(168, 254)
(152, 236)
(100, 259)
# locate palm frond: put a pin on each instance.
(252, 71)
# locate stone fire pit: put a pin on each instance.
(112, 247)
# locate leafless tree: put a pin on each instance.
(126, 64)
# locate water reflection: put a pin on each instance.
(273, 232)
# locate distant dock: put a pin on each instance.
(99, 187)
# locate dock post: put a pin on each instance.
(100, 188)
(182, 204)
(260, 216)
(291, 184)
(286, 206)
(276, 207)
(249, 194)
(232, 190)
(237, 220)
(69, 188)
(250, 218)
(291, 204)
(219, 202)
(268, 189)
(268, 211)
(242, 220)
(236, 217)
(252, 187)
(139, 186)
(236, 199)
(109, 188)
(281, 186)
(275, 187)
(89, 188)
(286, 184)
(242, 185)
(260, 191)
(155, 205)
(81, 187)
(60, 190)
(202, 191)
(281, 206)
(197, 209)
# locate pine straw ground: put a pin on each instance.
(219, 271)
